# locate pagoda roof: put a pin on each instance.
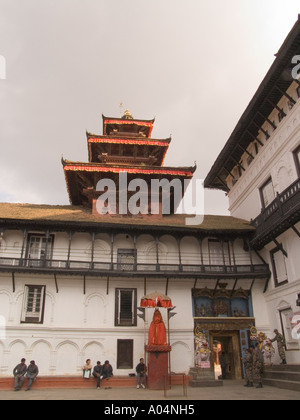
(80, 218)
(273, 87)
(151, 121)
(129, 140)
(100, 144)
(82, 176)
(130, 126)
(185, 171)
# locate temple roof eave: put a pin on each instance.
(133, 140)
(104, 118)
(99, 167)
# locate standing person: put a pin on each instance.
(257, 366)
(19, 374)
(141, 374)
(268, 352)
(97, 373)
(248, 368)
(281, 346)
(223, 364)
(31, 374)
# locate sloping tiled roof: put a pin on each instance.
(81, 216)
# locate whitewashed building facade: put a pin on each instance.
(70, 284)
(259, 168)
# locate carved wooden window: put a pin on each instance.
(297, 160)
(219, 253)
(33, 304)
(279, 267)
(39, 249)
(126, 307)
(126, 259)
(267, 193)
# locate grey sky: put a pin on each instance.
(192, 64)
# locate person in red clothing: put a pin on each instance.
(157, 330)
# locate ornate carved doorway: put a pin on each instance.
(229, 343)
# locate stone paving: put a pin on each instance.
(232, 390)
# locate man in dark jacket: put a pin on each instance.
(19, 374)
(97, 372)
(107, 370)
(31, 374)
(141, 374)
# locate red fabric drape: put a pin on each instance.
(157, 331)
(156, 303)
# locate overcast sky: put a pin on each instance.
(192, 64)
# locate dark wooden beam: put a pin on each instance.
(261, 129)
(238, 163)
(246, 151)
(281, 248)
(56, 284)
(167, 286)
(107, 285)
(13, 282)
(285, 94)
(229, 173)
(255, 137)
(267, 119)
(277, 107)
(296, 231)
(260, 257)
(223, 183)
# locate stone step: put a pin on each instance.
(283, 384)
(203, 378)
(285, 368)
(281, 374)
(205, 383)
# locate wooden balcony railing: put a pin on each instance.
(279, 216)
(133, 269)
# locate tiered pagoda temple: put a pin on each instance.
(126, 146)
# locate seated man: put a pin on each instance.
(97, 372)
(31, 374)
(107, 370)
(141, 374)
(19, 374)
(87, 369)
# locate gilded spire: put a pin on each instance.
(127, 115)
